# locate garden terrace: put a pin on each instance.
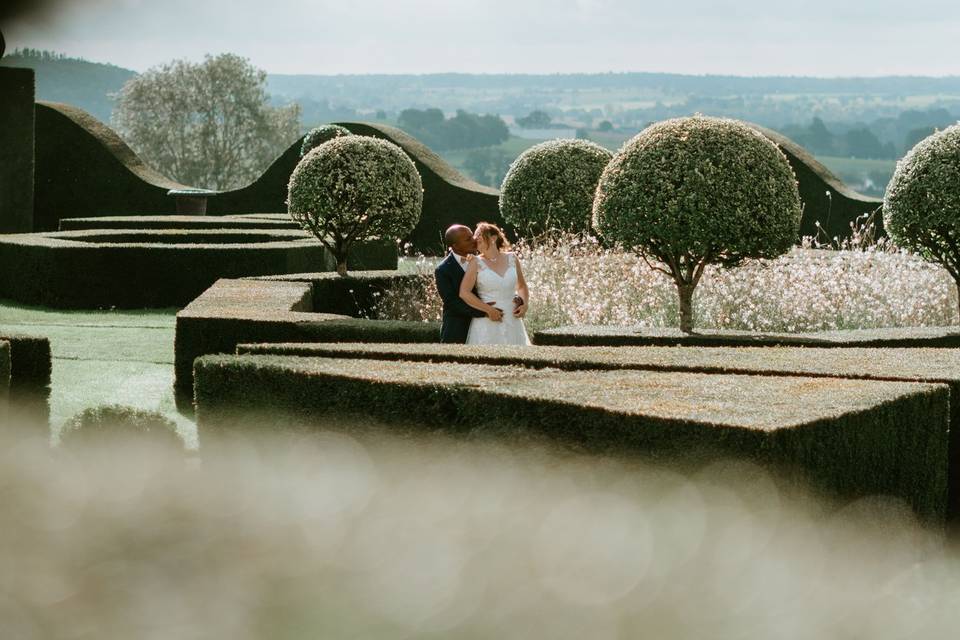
(320, 307)
(936, 366)
(126, 268)
(611, 336)
(855, 437)
(254, 221)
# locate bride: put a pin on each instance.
(498, 279)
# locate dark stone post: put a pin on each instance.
(16, 149)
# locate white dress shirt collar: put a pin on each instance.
(460, 259)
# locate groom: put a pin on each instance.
(457, 314)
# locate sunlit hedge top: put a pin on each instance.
(318, 135)
(551, 186)
(921, 208)
(712, 189)
(356, 183)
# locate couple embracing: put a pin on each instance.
(484, 294)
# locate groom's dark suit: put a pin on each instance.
(457, 314)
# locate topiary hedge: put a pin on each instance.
(940, 366)
(354, 188)
(551, 186)
(30, 369)
(283, 310)
(156, 268)
(921, 207)
(112, 422)
(4, 376)
(614, 335)
(690, 192)
(857, 437)
(318, 135)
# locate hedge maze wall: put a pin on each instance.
(83, 170)
(232, 312)
(930, 365)
(29, 369)
(851, 436)
(16, 150)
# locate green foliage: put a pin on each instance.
(206, 125)
(95, 424)
(551, 186)
(690, 192)
(355, 188)
(4, 373)
(535, 120)
(921, 209)
(31, 362)
(830, 427)
(318, 135)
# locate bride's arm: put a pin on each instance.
(522, 290)
(466, 293)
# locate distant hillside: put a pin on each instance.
(72, 80)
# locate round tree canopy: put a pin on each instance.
(921, 208)
(551, 186)
(699, 189)
(355, 188)
(318, 135)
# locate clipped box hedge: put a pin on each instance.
(4, 376)
(613, 336)
(232, 312)
(29, 367)
(356, 296)
(852, 436)
(131, 268)
(178, 222)
(931, 365)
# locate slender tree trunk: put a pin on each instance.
(686, 307)
(341, 256)
(342, 266)
(958, 295)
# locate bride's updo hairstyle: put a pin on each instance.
(491, 232)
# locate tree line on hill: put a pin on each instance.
(462, 131)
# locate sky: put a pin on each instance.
(826, 38)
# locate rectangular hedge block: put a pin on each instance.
(920, 365)
(29, 370)
(612, 336)
(232, 312)
(4, 376)
(852, 436)
(30, 362)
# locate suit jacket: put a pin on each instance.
(457, 314)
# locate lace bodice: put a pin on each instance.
(491, 286)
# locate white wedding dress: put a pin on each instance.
(498, 290)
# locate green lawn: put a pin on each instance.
(104, 357)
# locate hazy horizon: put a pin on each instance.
(534, 37)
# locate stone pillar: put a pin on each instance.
(16, 149)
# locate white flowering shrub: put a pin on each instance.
(692, 192)
(551, 186)
(318, 135)
(921, 208)
(575, 280)
(355, 188)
